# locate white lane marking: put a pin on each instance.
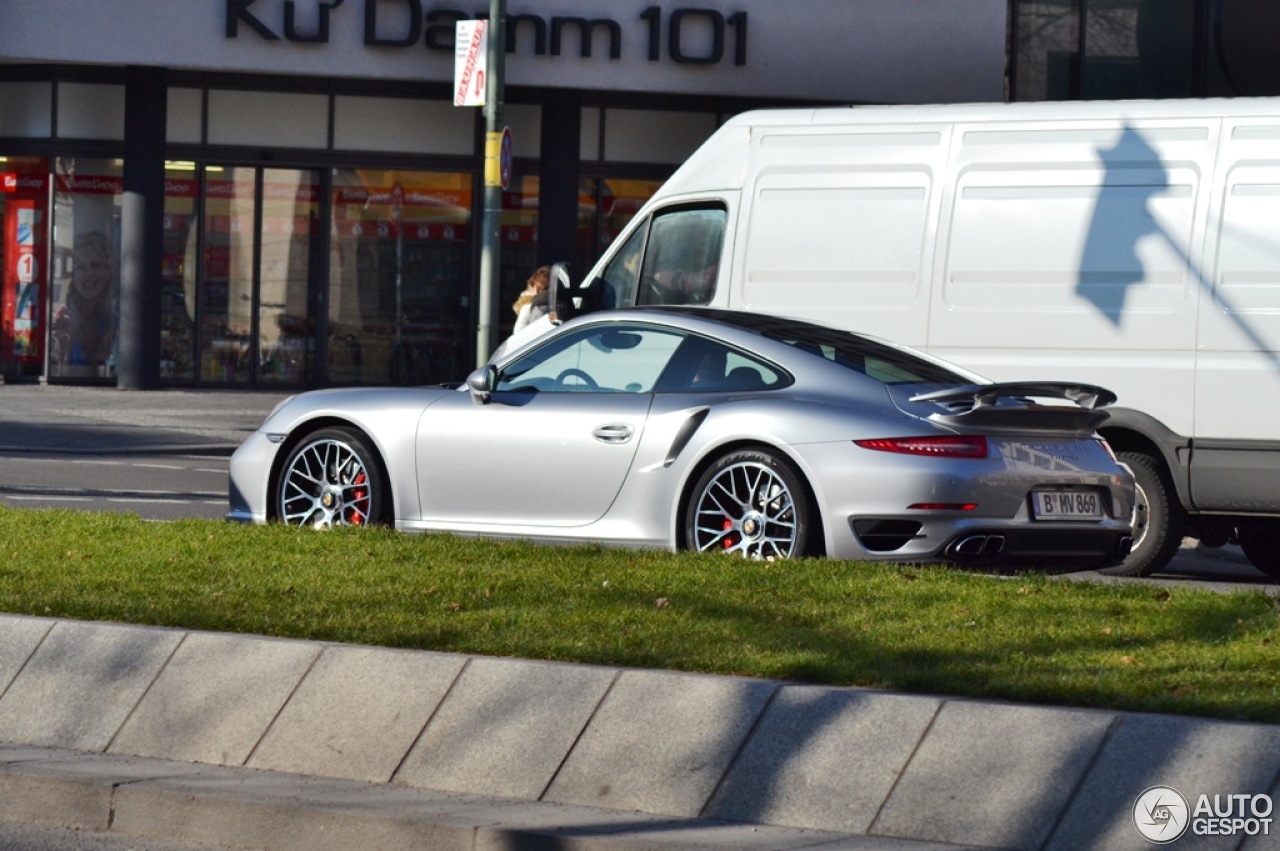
(18, 498)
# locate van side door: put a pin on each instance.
(1235, 463)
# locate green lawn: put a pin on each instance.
(914, 629)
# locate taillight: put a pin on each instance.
(948, 446)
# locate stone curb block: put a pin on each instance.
(651, 745)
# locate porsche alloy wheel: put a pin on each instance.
(331, 478)
(750, 503)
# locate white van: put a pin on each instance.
(1135, 245)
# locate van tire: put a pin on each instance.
(1159, 519)
(1261, 546)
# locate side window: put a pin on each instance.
(600, 359)
(704, 366)
(682, 257)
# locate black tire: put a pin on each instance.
(1261, 546)
(333, 477)
(1159, 519)
(753, 503)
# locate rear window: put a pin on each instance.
(886, 364)
(872, 358)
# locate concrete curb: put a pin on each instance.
(244, 740)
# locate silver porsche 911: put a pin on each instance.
(714, 431)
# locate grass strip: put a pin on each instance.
(925, 630)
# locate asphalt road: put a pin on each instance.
(155, 487)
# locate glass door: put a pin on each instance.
(290, 225)
(255, 326)
(225, 297)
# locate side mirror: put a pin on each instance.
(560, 294)
(482, 383)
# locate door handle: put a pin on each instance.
(613, 433)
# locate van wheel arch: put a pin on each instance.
(1160, 520)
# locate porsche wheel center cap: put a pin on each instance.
(328, 500)
(751, 526)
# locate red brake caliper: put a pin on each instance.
(728, 539)
(357, 519)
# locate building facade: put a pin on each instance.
(281, 193)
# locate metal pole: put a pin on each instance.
(491, 249)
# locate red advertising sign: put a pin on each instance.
(23, 307)
(8, 182)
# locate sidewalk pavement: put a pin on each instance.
(72, 419)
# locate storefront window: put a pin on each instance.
(86, 268)
(290, 221)
(24, 220)
(399, 276)
(1114, 49)
(178, 295)
(225, 289)
(620, 200)
(604, 209)
(519, 247)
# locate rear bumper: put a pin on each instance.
(1049, 550)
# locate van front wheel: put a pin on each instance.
(1158, 519)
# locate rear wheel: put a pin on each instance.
(752, 503)
(1261, 546)
(332, 478)
(1158, 520)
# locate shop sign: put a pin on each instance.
(90, 184)
(471, 63)
(8, 182)
(22, 305)
(687, 35)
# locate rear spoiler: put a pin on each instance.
(976, 406)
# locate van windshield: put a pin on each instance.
(674, 258)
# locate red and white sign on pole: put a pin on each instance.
(470, 62)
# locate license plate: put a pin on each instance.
(1066, 505)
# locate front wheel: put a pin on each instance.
(752, 503)
(332, 478)
(1158, 519)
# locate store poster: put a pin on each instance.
(24, 289)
